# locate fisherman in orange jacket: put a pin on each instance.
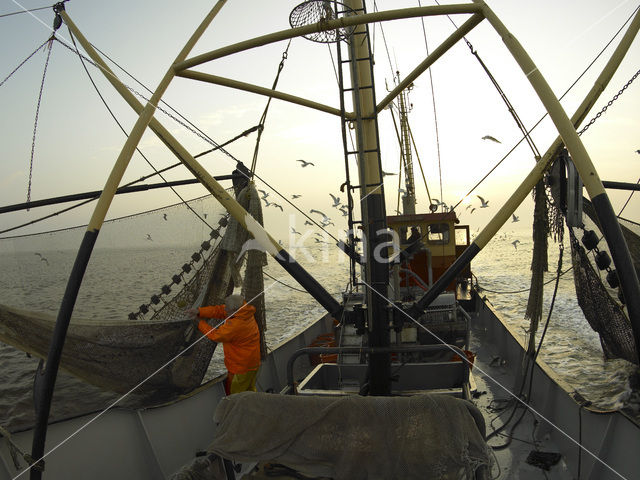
(240, 339)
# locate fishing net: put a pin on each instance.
(596, 298)
(114, 341)
(321, 11)
(599, 301)
(354, 437)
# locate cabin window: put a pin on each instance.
(438, 233)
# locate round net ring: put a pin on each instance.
(320, 12)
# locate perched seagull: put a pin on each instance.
(305, 164)
(43, 259)
(164, 215)
(515, 244)
(149, 237)
(515, 219)
(336, 200)
(493, 139)
(402, 190)
(293, 230)
(264, 194)
(277, 206)
(294, 196)
(485, 203)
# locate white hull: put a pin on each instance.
(155, 442)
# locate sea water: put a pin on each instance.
(117, 281)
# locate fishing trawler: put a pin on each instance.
(401, 376)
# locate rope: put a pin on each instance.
(35, 124)
(14, 449)
(263, 118)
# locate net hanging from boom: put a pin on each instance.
(112, 343)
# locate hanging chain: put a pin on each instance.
(263, 118)
(604, 109)
(35, 124)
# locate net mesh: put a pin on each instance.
(597, 300)
(107, 345)
(319, 12)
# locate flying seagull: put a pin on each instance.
(164, 215)
(515, 244)
(472, 210)
(515, 219)
(43, 259)
(336, 200)
(264, 194)
(294, 196)
(293, 230)
(384, 174)
(317, 211)
(493, 139)
(637, 151)
(307, 222)
(277, 206)
(304, 164)
(485, 203)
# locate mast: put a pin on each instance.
(374, 224)
(409, 198)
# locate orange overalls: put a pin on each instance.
(240, 340)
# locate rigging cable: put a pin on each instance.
(263, 119)
(194, 129)
(35, 124)
(530, 365)
(25, 61)
(28, 11)
(126, 135)
(587, 68)
(435, 114)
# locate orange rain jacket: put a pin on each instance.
(239, 336)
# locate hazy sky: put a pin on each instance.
(77, 141)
